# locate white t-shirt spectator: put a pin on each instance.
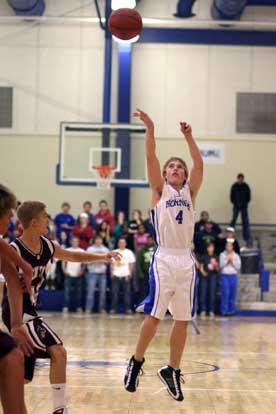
(121, 268)
(74, 268)
(97, 267)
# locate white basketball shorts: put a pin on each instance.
(172, 285)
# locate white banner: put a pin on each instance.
(212, 153)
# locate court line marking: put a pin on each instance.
(194, 353)
(256, 391)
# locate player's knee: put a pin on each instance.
(154, 321)
(58, 354)
(181, 324)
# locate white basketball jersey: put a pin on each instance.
(173, 218)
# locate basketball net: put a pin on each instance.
(105, 175)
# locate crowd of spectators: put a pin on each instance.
(119, 286)
(218, 263)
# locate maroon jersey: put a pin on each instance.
(39, 262)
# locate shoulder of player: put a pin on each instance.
(49, 243)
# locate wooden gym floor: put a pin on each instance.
(229, 368)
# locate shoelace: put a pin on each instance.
(180, 378)
(141, 371)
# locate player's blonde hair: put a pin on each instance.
(28, 211)
(7, 200)
(176, 159)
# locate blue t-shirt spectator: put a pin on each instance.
(64, 222)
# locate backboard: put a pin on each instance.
(86, 145)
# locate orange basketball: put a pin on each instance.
(125, 23)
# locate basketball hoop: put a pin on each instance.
(105, 175)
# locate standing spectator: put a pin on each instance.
(140, 238)
(96, 275)
(104, 232)
(240, 197)
(87, 209)
(230, 234)
(105, 214)
(208, 282)
(230, 264)
(204, 237)
(204, 218)
(121, 273)
(143, 264)
(73, 272)
(133, 227)
(64, 221)
(83, 231)
(120, 229)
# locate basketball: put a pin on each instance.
(125, 23)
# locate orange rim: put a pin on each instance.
(104, 170)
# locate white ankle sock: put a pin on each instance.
(58, 395)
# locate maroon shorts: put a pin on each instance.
(7, 344)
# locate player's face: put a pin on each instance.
(4, 222)
(40, 223)
(175, 173)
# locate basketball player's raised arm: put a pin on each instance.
(196, 175)
(156, 180)
(84, 257)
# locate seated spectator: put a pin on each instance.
(87, 208)
(64, 243)
(16, 233)
(104, 214)
(140, 238)
(230, 264)
(50, 282)
(204, 237)
(10, 229)
(230, 234)
(120, 229)
(204, 218)
(121, 273)
(104, 232)
(208, 282)
(64, 221)
(51, 228)
(73, 272)
(143, 264)
(133, 227)
(96, 274)
(83, 231)
(148, 225)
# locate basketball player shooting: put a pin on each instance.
(172, 270)
(38, 251)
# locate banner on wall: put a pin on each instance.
(212, 153)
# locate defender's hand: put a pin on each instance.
(23, 340)
(186, 129)
(111, 256)
(144, 118)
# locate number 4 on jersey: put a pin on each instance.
(179, 217)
